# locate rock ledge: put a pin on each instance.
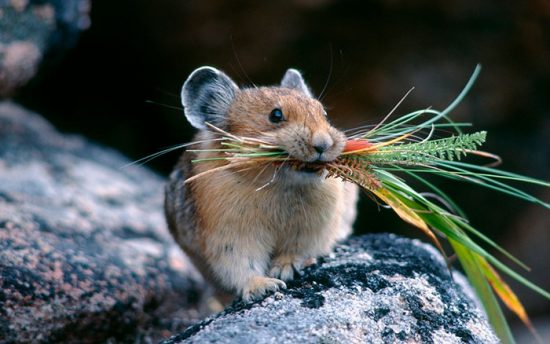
(373, 289)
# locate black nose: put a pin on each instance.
(322, 147)
(321, 141)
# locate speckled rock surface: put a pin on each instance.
(373, 289)
(85, 255)
(31, 30)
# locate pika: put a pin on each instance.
(247, 239)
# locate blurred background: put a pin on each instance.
(119, 85)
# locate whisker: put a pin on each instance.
(239, 62)
(178, 108)
(150, 157)
(329, 74)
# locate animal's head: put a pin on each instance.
(286, 115)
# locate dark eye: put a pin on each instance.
(276, 116)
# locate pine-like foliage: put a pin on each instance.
(425, 152)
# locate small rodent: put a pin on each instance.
(248, 239)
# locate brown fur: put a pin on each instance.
(249, 230)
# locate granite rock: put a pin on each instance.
(30, 31)
(85, 254)
(377, 288)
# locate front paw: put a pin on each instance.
(285, 266)
(258, 286)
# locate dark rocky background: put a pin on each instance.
(367, 53)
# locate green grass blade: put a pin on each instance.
(491, 183)
(495, 173)
(437, 190)
(464, 91)
(449, 225)
(437, 115)
(484, 292)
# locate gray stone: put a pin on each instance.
(30, 31)
(374, 289)
(85, 254)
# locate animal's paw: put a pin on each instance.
(285, 266)
(258, 286)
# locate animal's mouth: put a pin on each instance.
(309, 167)
(312, 167)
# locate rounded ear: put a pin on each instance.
(206, 96)
(294, 80)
